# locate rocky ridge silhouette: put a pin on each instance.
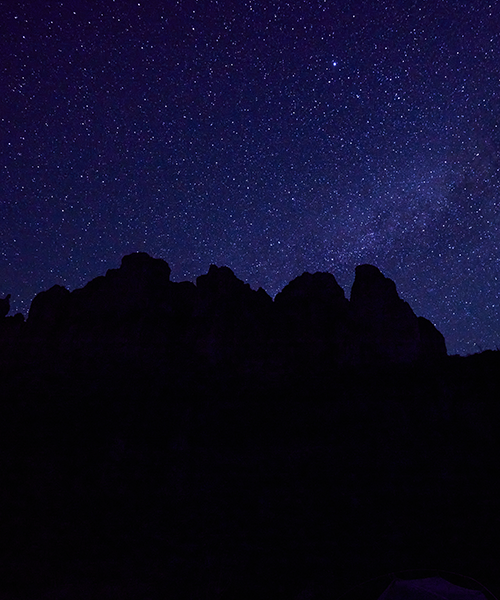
(137, 310)
(173, 438)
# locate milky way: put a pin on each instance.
(273, 138)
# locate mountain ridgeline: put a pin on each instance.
(137, 311)
(181, 440)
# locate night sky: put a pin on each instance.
(271, 137)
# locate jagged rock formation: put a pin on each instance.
(221, 321)
(10, 328)
(387, 329)
(128, 306)
(206, 424)
(432, 342)
(49, 312)
(230, 320)
(4, 306)
(312, 320)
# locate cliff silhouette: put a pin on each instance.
(185, 440)
(220, 322)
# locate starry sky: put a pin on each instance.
(271, 137)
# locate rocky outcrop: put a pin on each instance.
(49, 312)
(387, 329)
(230, 320)
(136, 310)
(127, 306)
(4, 306)
(124, 297)
(432, 342)
(312, 320)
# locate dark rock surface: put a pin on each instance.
(432, 343)
(137, 311)
(230, 320)
(387, 328)
(162, 439)
(49, 312)
(119, 485)
(312, 321)
(4, 306)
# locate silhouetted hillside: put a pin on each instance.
(220, 322)
(181, 440)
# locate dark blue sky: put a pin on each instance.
(273, 138)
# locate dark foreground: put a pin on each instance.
(119, 483)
